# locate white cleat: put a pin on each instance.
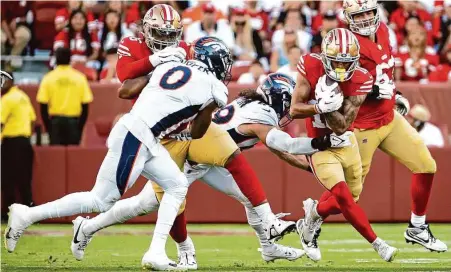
(277, 228)
(159, 263)
(312, 221)
(187, 255)
(311, 248)
(276, 251)
(17, 223)
(385, 251)
(423, 236)
(80, 240)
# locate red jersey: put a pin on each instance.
(442, 73)
(376, 57)
(62, 15)
(311, 67)
(416, 70)
(77, 45)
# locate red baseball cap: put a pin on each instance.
(239, 11)
(208, 7)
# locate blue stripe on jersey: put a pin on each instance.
(239, 138)
(130, 149)
(174, 118)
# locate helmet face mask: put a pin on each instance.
(162, 27)
(340, 46)
(365, 27)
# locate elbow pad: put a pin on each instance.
(283, 142)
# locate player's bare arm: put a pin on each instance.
(131, 88)
(202, 121)
(298, 161)
(340, 122)
(299, 109)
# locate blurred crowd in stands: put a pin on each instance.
(265, 36)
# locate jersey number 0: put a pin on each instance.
(175, 78)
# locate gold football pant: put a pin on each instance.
(214, 148)
(399, 140)
(339, 164)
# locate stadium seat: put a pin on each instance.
(90, 73)
(44, 12)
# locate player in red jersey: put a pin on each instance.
(378, 125)
(137, 58)
(322, 82)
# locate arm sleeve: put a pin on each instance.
(127, 67)
(281, 141)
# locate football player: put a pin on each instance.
(134, 148)
(255, 116)
(335, 74)
(377, 125)
(137, 58)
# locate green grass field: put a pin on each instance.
(220, 248)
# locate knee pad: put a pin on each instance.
(180, 187)
(103, 205)
(429, 167)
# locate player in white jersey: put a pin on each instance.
(253, 117)
(134, 149)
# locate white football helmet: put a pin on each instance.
(363, 27)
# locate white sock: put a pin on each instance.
(377, 242)
(122, 211)
(256, 223)
(417, 220)
(167, 212)
(264, 212)
(186, 245)
(76, 203)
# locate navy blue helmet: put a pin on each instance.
(216, 55)
(277, 90)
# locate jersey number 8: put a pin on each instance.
(175, 78)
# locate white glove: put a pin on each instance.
(386, 87)
(402, 104)
(182, 136)
(340, 141)
(168, 54)
(328, 99)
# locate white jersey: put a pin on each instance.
(239, 112)
(176, 92)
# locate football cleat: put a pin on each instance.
(312, 221)
(423, 236)
(187, 255)
(80, 240)
(276, 251)
(311, 249)
(277, 228)
(385, 251)
(17, 223)
(159, 263)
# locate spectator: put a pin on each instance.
(279, 56)
(64, 96)
(15, 28)
(294, 54)
(17, 121)
(442, 72)
(406, 10)
(108, 73)
(113, 31)
(84, 46)
(445, 28)
(259, 19)
(418, 118)
(418, 61)
(293, 22)
(248, 45)
(208, 26)
(255, 75)
(329, 22)
(62, 16)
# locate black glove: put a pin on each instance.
(374, 94)
(321, 143)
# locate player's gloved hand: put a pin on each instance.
(383, 87)
(168, 54)
(182, 136)
(402, 104)
(328, 99)
(339, 141)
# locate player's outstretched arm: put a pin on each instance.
(340, 122)
(202, 121)
(131, 88)
(299, 109)
(298, 161)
